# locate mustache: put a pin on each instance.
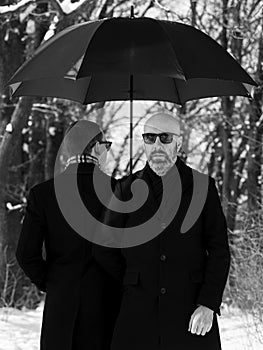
(159, 153)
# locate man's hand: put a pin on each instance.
(201, 320)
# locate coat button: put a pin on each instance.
(163, 290)
(163, 225)
(163, 257)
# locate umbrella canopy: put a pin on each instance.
(131, 59)
(145, 87)
(133, 46)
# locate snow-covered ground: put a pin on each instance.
(19, 330)
(239, 331)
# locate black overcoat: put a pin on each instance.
(167, 277)
(82, 300)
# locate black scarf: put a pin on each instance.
(156, 180)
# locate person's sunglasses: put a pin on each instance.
(106, 143)
(165, 137)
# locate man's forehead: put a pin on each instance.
(162, 123)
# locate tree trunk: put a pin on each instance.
(10, 142)
(54, 137)
(255, 140)
(14, 50)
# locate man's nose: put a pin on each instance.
(158, 143)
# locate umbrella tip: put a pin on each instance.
(132, 11)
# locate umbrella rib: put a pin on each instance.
(172, 47)
(177, 91)
(86, 49)
(87, 92)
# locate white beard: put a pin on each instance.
(161, 168)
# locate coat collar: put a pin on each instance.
(184, 170)
(80, 168)
(185, 173)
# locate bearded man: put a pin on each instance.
(172, 284)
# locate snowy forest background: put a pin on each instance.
(222, 136)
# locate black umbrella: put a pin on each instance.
(131, 59)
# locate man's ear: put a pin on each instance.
(179, 142)
(96, 149)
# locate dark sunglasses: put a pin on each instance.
(164, 137)
(106, 143)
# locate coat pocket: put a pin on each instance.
(196, 276)
(131, 277)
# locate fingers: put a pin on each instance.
(205, 330)
(191, 322)
(199, 325)
(210, 326)
(200, 328)
(195, 325)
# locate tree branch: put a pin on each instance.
(150, 5)
(15, 7)
(57, 6)
(20, 6)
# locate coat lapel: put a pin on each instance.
(151, 202)
(173, 204)
(186, 178)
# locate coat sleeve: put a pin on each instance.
(30, 243)
(217, 247)
(111, 258)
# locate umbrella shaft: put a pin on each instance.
(131, 120)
